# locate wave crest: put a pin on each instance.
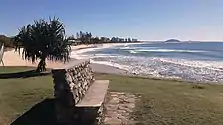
(165, 50)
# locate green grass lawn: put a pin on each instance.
(162, 101)
(172, 102)
(17, 95)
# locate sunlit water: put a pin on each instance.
(200, 61)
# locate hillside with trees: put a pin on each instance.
(8, 41)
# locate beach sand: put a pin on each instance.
(12, 58)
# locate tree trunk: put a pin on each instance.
(42, 65)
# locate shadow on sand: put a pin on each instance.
(25, 74)
(42, 113)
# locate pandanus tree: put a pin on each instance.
(43, 40)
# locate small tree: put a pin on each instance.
(43, 40)
(95, 40)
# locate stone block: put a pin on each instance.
(70, 86)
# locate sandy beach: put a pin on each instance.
(12, 58)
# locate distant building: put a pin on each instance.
(129, 40)
(75, 42)
(105, 39)
(115, 39)
(121, 39)
(118, 39)
(134, 40)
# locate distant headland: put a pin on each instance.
(172, 41)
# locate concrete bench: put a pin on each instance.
(79, 98)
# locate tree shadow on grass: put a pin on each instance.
(42, 113)
(24, 74)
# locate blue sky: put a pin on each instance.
(142, 19)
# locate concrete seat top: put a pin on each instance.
(95, 95)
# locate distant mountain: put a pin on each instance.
(172, 41)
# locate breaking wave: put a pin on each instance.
(164, 50)
(158, 66)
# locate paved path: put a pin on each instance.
(118, 108)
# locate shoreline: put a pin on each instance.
(125, 69)
(99, 67)
(12, 58)
(96, 66)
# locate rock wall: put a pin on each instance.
(70, 86)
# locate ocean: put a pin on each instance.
(191, 61)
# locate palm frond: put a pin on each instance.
(43, 40)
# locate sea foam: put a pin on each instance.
(192, 70)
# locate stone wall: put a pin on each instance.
(70, 86)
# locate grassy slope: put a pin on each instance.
(162, 101)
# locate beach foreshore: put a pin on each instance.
(12, 58)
